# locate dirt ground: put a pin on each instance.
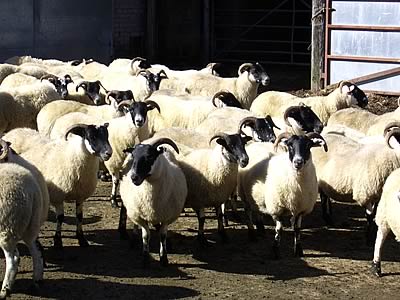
(335, 266)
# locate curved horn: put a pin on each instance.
(217, 135)
(212, 66)
(150, 104)
(395, 131)
(271, 122)
(72, 128)
(5, 147)
(165, 141)
(220, 93)
(389, 127)
(98, 81)
(246, 121)
(280, 137)
(48, 76)
(162, 72)
(82, 84)
(311, 135)
(288, 111)
(125, 103)
(344, 82)
(240, 70)
(135, 60)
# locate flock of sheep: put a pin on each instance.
(184, 139)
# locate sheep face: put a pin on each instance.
(91, 89)
(299, 149)
(143, 161)
(153, 80)
(234, 147)
(256, 73)
(357, 96)
(119, 96)
(226, 99)
(138, 111)
(95, 139)
(305, 118)
(60, 84)
(262, 129)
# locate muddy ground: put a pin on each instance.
(335, 266)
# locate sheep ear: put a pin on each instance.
(317, 142)
(128, 150)
(345, 89)
(247, 139)
(222, 142)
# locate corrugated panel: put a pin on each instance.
(366, 13)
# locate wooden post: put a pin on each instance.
(317, 44)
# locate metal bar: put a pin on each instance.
(364, 58)
(261, 26)
(376, 76)
(265, 41)
(364, 28)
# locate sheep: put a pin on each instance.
(352, 171)
(24, 202)
(275, 103)
(75, 177)
(6, 69)
(92, 70)
(364, 121)
(244, 87)
(211, 176)
(182, 113)
(153, 192)
(282, 184)
(142, 85)
(387, 217)
(91, 92)
(54, 110)
(19, 60)
(19, 106)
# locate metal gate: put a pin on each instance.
(362, 44)
(56, 29)
(273, 32)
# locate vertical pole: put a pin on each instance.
(317, 44)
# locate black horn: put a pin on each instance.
(150, 104)
(167, 141)
(73, 128)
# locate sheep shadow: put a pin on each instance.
(92, 288)
(71, 220)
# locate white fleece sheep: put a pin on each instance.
(6, 69)
(387, 217)
(275, 103)
(244, 87)
(24, 203)
(19, 106)
(77, 161)
(283, 184)
(154, 195)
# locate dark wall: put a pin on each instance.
(56, 29)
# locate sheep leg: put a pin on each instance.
(115, 184)
(60, 219)
(370, 213)
(277, 239)
(249, 222)
(79, 220)
(38, 262)
(123, 233)
(380, 239)
(326, 206)
(145, 241)
(224, 216)
(163, 245)
(260, 224)
(221, 229)
(298, 249)
(12, 260)
(200, 233)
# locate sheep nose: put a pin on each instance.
(244, 161)
(139, 121)
(64, 94)
(272, 139)
(298, 163)
(318, 128)
(265, 81)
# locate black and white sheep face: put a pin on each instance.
(357, 96)
(96, 141)
(138, 111)
(143, 161)
(228, 99)
(120, 96)
(263, 130)
(306, 119)
(154, 80)
(234, 144)
(92, 90)
(60, 84)
(258, 74)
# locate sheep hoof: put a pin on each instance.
(202, 240)
(82, 240)
(58, 244)
(276, 251)
(164, 261)
(4, 293)
(376, 269)
(252, 235)
(298, 251)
